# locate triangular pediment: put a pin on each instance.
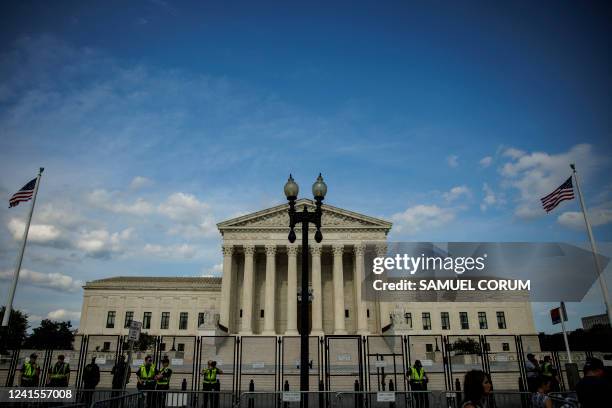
(278, 218)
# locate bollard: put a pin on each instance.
(458, 389)
(184, 385)
(391, 388)
(358, 396)
(286, 388)
(251, 403)
(321, 395)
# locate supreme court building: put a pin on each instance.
(258, 291)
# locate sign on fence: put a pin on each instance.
(291, 396)
(385, 396)
(134, 333)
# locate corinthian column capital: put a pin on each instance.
(292, 250)
(249, 249)
(271, 249)
(338, 249)
(315, 250)
(227, 249)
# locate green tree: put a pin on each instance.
(465, 346)
(144, 343)
(12, 338)
(51, 335)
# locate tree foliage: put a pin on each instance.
(599, 338)
(12, 338)
(144, 343)
(466, 346)
(51, 335)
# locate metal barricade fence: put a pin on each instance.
(180, 398)
(505, 399)
(128, 400)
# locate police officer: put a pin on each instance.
(418, 382)
(211, 384)
(30, 372)
(146, 378)
(550, 373)
(91, 379)
(163, 382)
(59, 373)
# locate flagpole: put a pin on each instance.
(602, 281)
(9, 301)
(563, 318)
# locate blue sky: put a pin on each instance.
(155, 120)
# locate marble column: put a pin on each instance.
(270, 300)
(247, 291)
(225, 318)
(362, 319)
(317, 292)
(291, 291)
(339, 326)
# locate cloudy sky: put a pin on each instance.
(155, 120)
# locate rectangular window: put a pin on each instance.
(261, 313)
(463, 318)
(429, 347)
(482, 320)
(183, 320)
(368, 313)
(506, 346)
(146, 320)
(346, 313)
(408, 317)
(180, 347)
(162, 346)
(129, 316)
(106, 346)
(444, 317)
(501, 320)
(240, 312)
(110, 320)
(165, 320)
(426, 321)
(200, 319)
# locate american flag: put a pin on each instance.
(564, 192)
(25, 194)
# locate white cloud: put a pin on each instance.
(215, 270)
(192, 216)
(419, 217)
(486, 161)
(63, 315)
(140, 182)
(457, 192)
(38, 233)
(513, 153)
(489, 198)
(536, 174)
(575, 219)
(110, 201)
(54, 280)
(177, 251)
(101, 243)
(452, 160)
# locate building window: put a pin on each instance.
(501, 320)
(146, 320)
(426, 321)
(129, 316)
(463, 318)
(162, 346)
(346, 313)
(180, 347)
(368, 313)
(429, 347)
(165, 321)
(106, 346)
(482, 320)
(240, 312)
(408, 317)
(506, 346)
(261, 313)
(444, 317)
(183, 319)
(110, 320)
(200, 319)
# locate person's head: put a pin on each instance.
(93, 360)
(209, 363)
(531, 357)
(148, 360)
(165, 361)
(60, 358)
(33, 357)
(476, 385)
(547, 359)
(213, 364)
(417, 363)
(544, 384)
(593, 367)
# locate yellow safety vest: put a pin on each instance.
(210, 376)
(59, 371)
(417, 375)
(547, 370)
(164, 380)
(147, 376)
(29, 370)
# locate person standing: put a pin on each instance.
(540, 398)
(533, 372)
(550, 372)
(594, 388)
(211, 385)
(418, 382)
(59, 374)
(118, 372)
(91, 379)
(163, 383)
(476, 388)
(146, 378)
(30, 372)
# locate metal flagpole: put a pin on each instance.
(563, 317)
(9, 301)
(602, 281)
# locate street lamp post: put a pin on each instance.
(319, 189)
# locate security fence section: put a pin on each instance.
(337, 363)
